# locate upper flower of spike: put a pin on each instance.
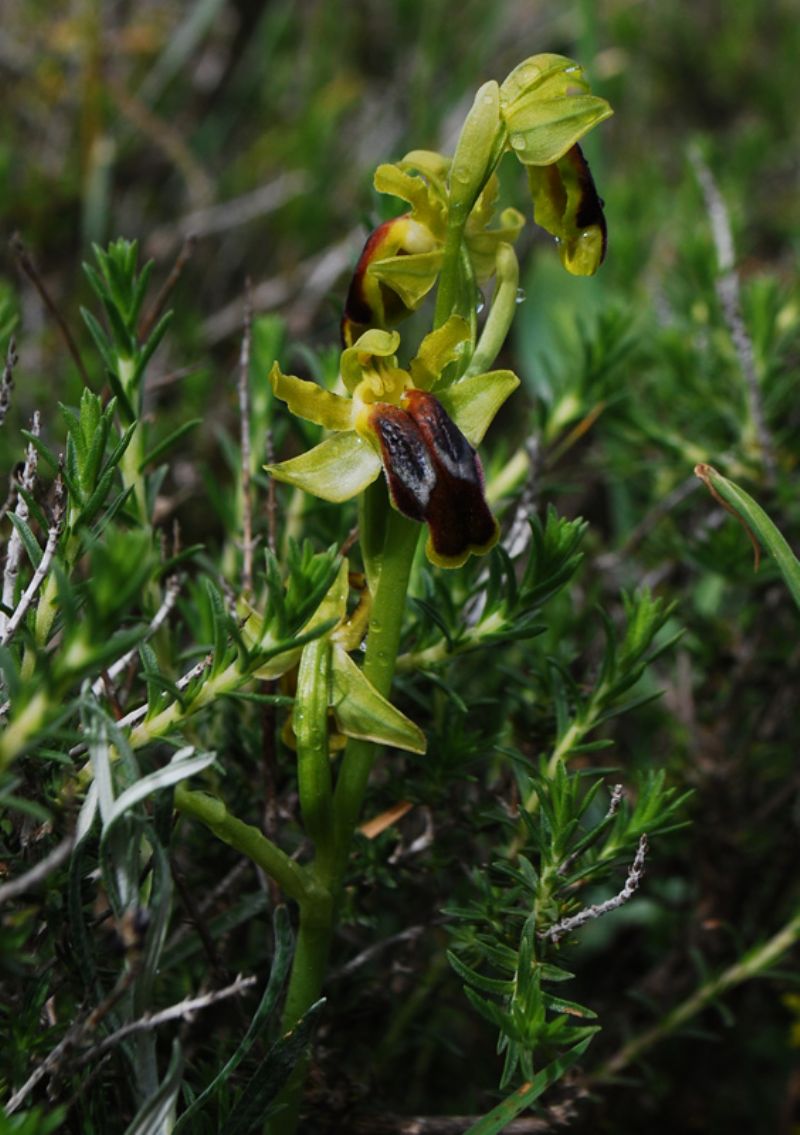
(546, 106)
(401, 259)
(393, 422)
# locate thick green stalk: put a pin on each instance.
(317, 919)
(383, 642)
(296, 881)
(305, 985)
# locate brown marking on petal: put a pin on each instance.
(458, 517)
(434, 475)
(590, 204)
(407, 464)
(384, 307)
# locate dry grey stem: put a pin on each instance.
(7, 381)
(567, 925)
(244, 425)
(729, 293)
(27, 481)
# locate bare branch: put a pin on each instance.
(27, 481)
(72, 1038)
(7, 381)
(230, 214)
(171, 592)
(159, 303)
(729, 293)
(567, 925)
(43, 567)
(32, 272)
(180, 1011)
(244, 425)
(38, 873)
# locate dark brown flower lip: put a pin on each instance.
(434, 476)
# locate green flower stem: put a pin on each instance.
(297, 882)
(316, 917)
(305, 985)
(447, 294)
(383, 641)
(754, 963)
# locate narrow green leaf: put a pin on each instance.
(478, 981)
(183, 765)
(500, 1116)
(153, 1117)
(277, 979)
(270, 1077)
(158, 450)
(756, 521)
(28, 539)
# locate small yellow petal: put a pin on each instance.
(311, 401)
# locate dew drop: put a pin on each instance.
(480, 304)
(518, 141)
(520, 296)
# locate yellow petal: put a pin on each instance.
(311, 401)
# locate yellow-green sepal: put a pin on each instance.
(541, 130)
(311, 401)
(544, 76)
(473, 402)
(363, 713)
(336, 470)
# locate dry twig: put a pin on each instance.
(39, 872)
(31, 271)
(729, 293)
(43, 566)
(244, 426)
(27, 481)
(597, 910)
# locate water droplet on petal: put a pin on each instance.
(480, 303)
(520, 296)
(518, 141)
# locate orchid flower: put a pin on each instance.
(401, 259)
(538, 113)
(393, 422)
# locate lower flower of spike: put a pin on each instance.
(434, 475)
(392, 422)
